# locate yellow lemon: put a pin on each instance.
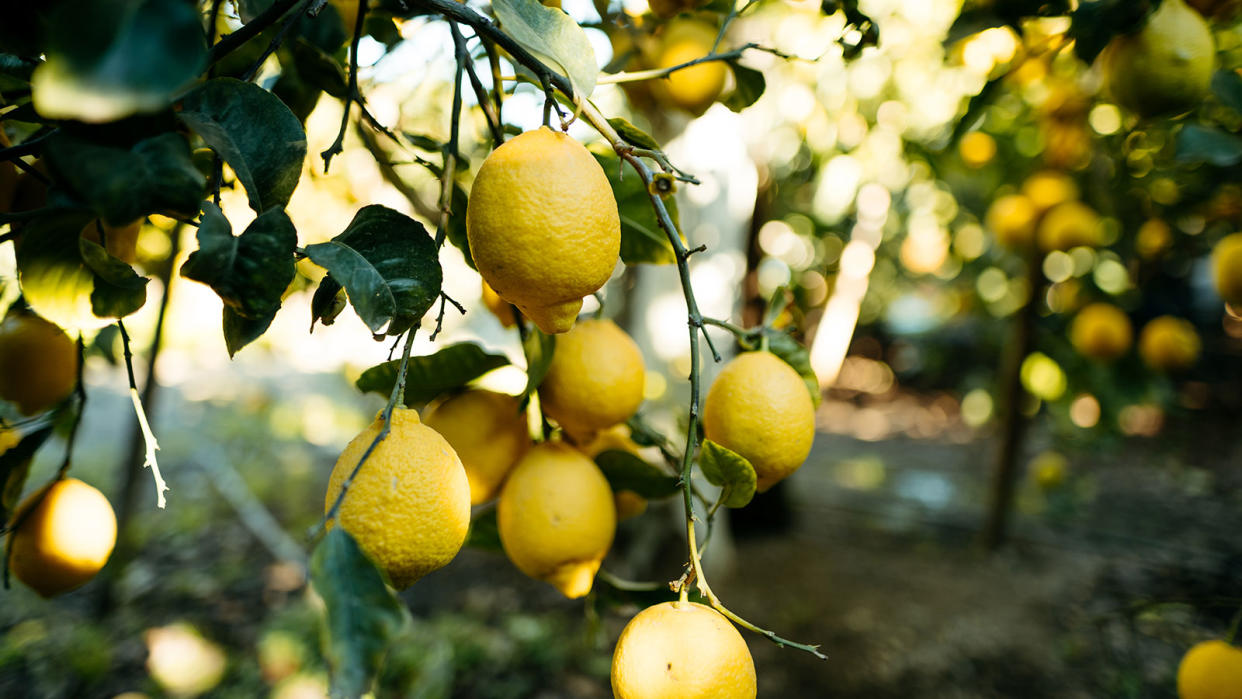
(1101, 331)
(977, 149)
(65, 540)
(595, 380)
(1227, 268)
(1011, 219)
(629, 504)
(1169, 343)
(409, 507)
(1069, 225)
(1154, 238)
(40, 363)
(682, 650)
(694, 88)
(1166, 67)
(488, 431)
(759, 407)
(543, 226)
(556, 517)
(498, 306)
(1210, 670)
(1047, 188)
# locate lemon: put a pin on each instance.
(65, 540)
(543, 226)
(1011, 219)
(1047, 188)
(409, 507)
(1166, 67)
(694, 88)
(682, 650)
(628, 503)
(1154, 238)
(1169, 343)
(556, 517)
(1210, 670)
(488, 431)
(759, 407)
(1069, 225)
(1227, 268)
(120, 242)
(498, 306)
(40, 363)
(977, 149)
(1101, 331)
(595, 379)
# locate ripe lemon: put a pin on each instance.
(595, 380)
(759, 407)
(1227, 268)
(1169, 343)
(498, 306)
(409, 507)
(65, 540)
(1154, 238)
(682, 650)
(629, 504)
(1166, 67)
(694, 88)
(556, 517)
(1011, 219)
(1069, 225)
(1101, 331)
(40, 363)
(543, 226)
(977, 149)
(1047, 188)
(488, 431)
(1210, 670)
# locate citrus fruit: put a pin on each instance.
(694, 88)
(1011, 219)
(1047, 188)
(977, 149)
(40, 363)
(628, 503)
(1166, 67)
(409, 506)
(1227, 268)
(498, 306)
(682, 650)
(1169, 343)
(543, 226)
(556, 517)
(121, 242)
(1153, 239)
(488, 431)
(1210, 670)
(1101, 331)
(1069, 225)
(595, 379)
(64, 540)
(759, 407)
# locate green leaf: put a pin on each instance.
(119, 290)
(1094, 24)
(642, 238)
(632, 134)
(250, 272)
(750, 84)
(433, 375)
(484, 532)
(318, 68)
(457, 224)
(107, 60)
(363, 615)
(729, 470)
(538, 347)
(626, 471)
(254, 132)
(1198, 143)
(126, 182)
(795, 355)
(554, 38)
(240, 331)
(328, 302)
(15, 466)
(388, 265)
(1227, 86)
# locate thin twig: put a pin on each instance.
(251, 29)
(152, 446)
(638, 75)
(351, 92)
(285, 25)
(449, 168)
(480, 92)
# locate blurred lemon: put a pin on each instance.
(682, 650)
(1153, 239)
(1101, 331)
(64, 540)
(629, 504)
(595, 380)
(1169, 343)
(977, 149)
(1069, 225)
(1047, 188)
(1011, 219)
(182, 662)
(489, 433)
(694, 88)
(497, 306)
(40, 363)
(1166, 66)
(1210, 670)
(1049, 470)
(1227, 268)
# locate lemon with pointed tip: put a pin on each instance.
(1227, 268)
(682, 650)
(759, 407)
(1166, 67)
(1102, 332)
(543, 226)
(595, 379)
(1210, 670)
(40, 363)
(409, 506)
(556, 517)
(1169, 343)
(489, 432)
(64, 536)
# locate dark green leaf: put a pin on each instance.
(14, 467)
(328, 301)
(795, 355)
(457, 224)
(749, 87)
(363, 615)
(974, 108)
(118, 290)
(388, 265)
(538, 347)
(107, 60)
(433, 375)
(642, 238)
(484, 532)
(240, 331)
(626, 471)
(16, 67)
(729, 470)
(553, 37)
(1197, 143)
(254, 132)
(1227, 86)
(632, 134)
(317, 68)
(1094, 24)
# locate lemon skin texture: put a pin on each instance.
(682, 650)
(1011, 219)
(543, 226)
(1164, 68)
(556, 517)
(1102, 332)
(409, 507)
(1169, 343)
(1210, 670)
(595, 379)
(1227, 268)
(759, 407)
(40, 363)
(65, 540)
(488, 431)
